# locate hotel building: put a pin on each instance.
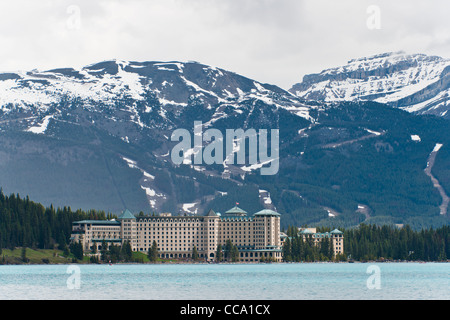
(336, 236)
(256, 236)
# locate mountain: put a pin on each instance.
(70, 136)
(99, 137)
(413, 82)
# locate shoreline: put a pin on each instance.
(221, 263)
(56, 257)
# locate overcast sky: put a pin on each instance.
(272, 41)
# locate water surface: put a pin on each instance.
(296, 281)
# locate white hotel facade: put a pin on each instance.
(256, 236)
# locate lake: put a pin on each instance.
(284, 281)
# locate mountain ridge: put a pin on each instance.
(99, 138)
(414, 82)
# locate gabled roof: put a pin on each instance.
(126, 215)
(336, 231)
(211, 213)
(267, 212)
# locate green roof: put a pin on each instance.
(236, 210)
(336, 231)
(98, 222)
(126, 215)
(322, 235)
(267, 212)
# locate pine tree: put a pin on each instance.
(126, 251)
(331, 250)
(114, 253)
(228, 248)
(76, 249)
(66, 251)
(153, 252)
(442, 254)
(24, 255)
(104, 251)
(324, 248)
(234, 254)
(195, 254)
(219, 253)
(287, 250)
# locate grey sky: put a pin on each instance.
(272, 41)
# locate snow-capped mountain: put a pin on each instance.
(413, 82)
(139, 105)
(138, 88)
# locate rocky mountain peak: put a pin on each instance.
(414, 82)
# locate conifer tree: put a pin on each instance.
(153, 252)
(228, 248)
(219, 253)
(287, 250)
(126, 251)
(24, 255)
(234, 253)
(195, 254)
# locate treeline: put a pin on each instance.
(370, 242)
(108, 253)
(114, 253)
(24, 223)
(297, 249)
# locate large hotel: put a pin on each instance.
(256, 236)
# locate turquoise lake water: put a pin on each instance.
(300, 281)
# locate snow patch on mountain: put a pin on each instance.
(42, 127)
(153, 196)
(415, 138)
(190, 208)
(438, 147)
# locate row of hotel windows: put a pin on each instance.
(97, 228)
(157, 235)
(99, 235)
(238, 239)
(189, 230)
(257, 233)
(166, 224)
(141, 228)
(201, 228)
(211, 225)
(190, 248)
(211, 222)
(196, 233)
